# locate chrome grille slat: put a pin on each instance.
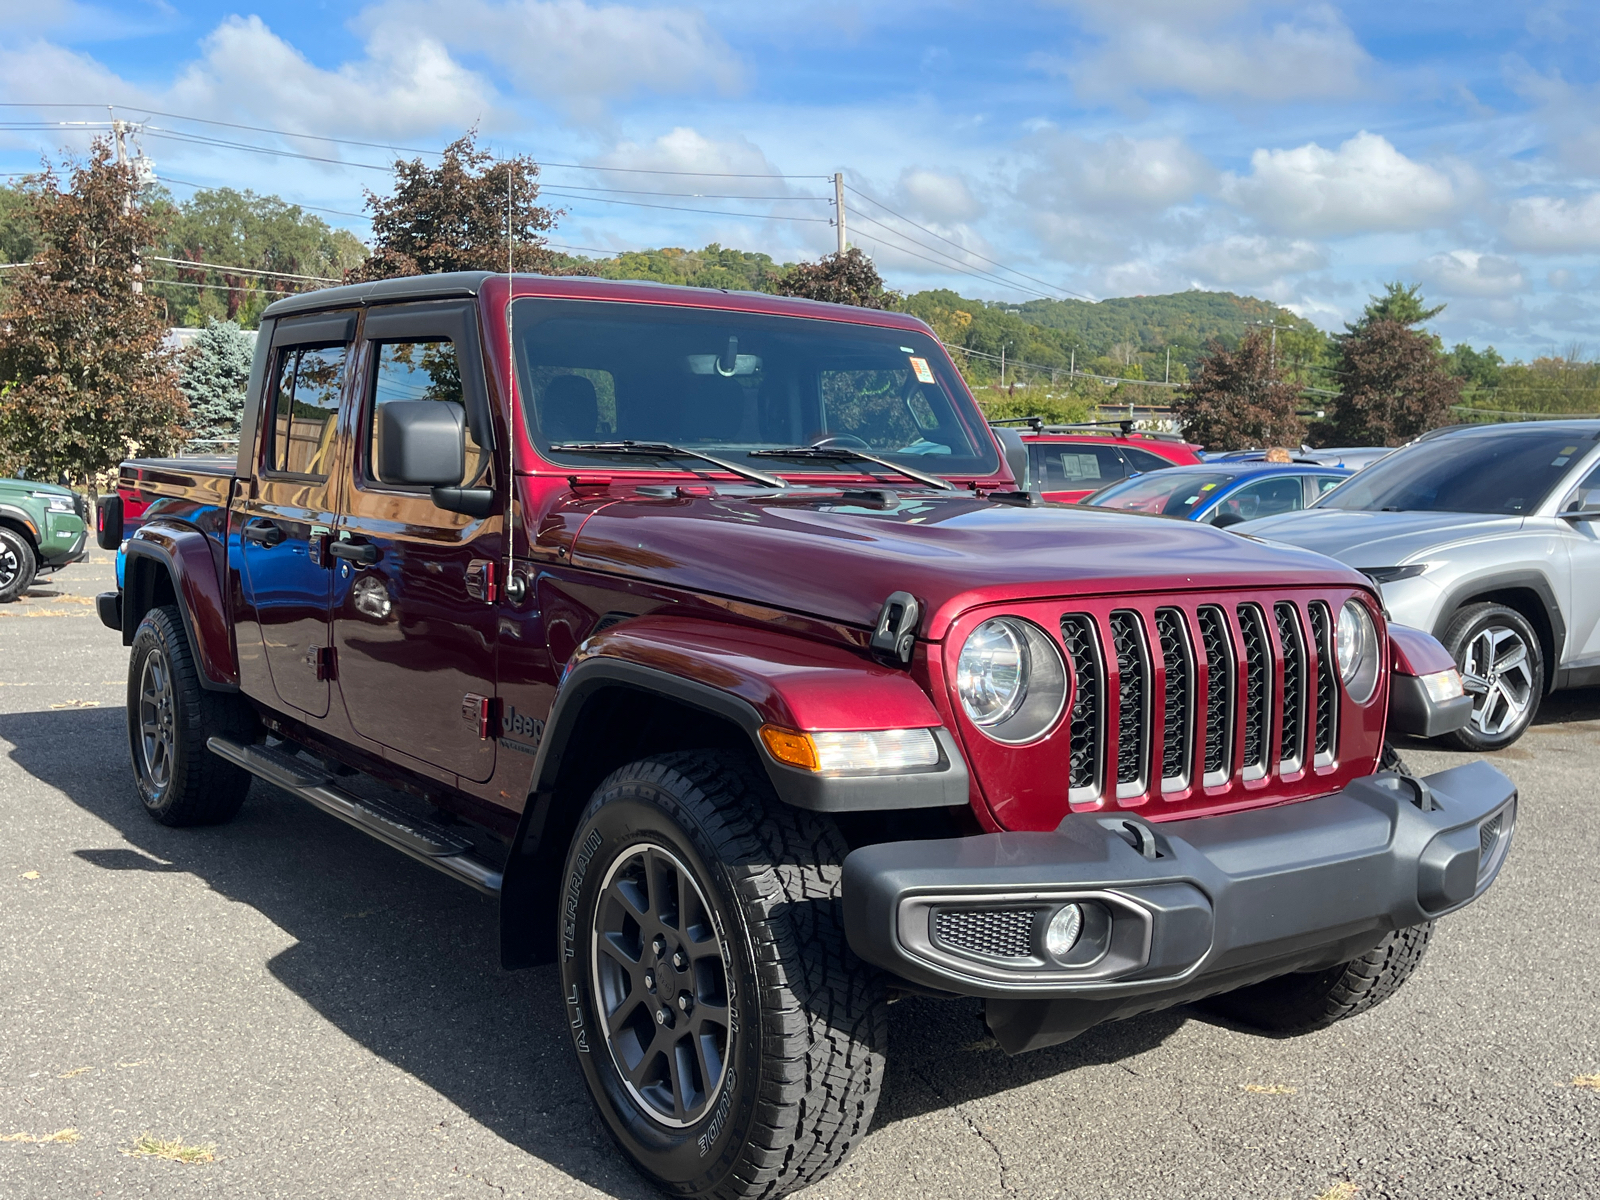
(1256, 669)
(1291, 722)
(1133, 702)
(1327, 692)
(1213, 623)
(1086, 724)
(1177, 726)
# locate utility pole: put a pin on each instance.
(1169, 364)
(1002, 366)
(1274, 327)
(119, 135)
(838, 206)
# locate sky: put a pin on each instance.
(1304, 153)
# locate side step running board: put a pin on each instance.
(422, 840)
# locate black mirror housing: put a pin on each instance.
(422, 443)
(108, 526)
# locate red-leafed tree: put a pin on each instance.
(1240, 398)
(1395, 381)
(848, 278)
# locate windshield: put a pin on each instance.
(1172, 493)
(730, 383)
(1510, 471)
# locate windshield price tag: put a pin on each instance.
(924, 372)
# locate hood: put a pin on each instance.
(837, 560)
(24, 486)
(1377, 539)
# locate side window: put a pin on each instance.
(1321, 485)
(1073, 467)
(305, 409)
(420, 370)
(1143, 460)
(1267, 498)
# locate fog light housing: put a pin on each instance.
(1443, 685)
(1061, 935)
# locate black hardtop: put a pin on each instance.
(408, 287)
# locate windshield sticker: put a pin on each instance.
(924, 372)
(1206, 487)
(907, 350)
(1562, 461)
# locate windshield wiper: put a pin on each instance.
(668, 450)
(850, 454)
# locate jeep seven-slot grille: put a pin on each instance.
(1086, 725)
(1177, 724)
(1196, 692)
(1327, 696)
(1291, 727)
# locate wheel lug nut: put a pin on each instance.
(658, 947)
(650, 980)
(661, 1016)
(679, 961)
(683, 1001)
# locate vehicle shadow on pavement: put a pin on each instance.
(406, 962)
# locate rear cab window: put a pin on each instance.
(1073, 466)
(307, 383)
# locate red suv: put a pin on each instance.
(1068, 462)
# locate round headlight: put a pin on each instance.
(1011, 679)
(1357, 647)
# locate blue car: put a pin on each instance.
(1222, 494)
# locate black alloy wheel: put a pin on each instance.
(1503, 670)
(17, 564)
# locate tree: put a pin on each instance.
(16, 226)
(848, 278)
(1475, 368)
(213, 374)
(1393, 386)
(86, 378)
(1398, 303)
(453, 217)
(1240, 398)
(242, 229)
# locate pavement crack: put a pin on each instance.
(972, 1124)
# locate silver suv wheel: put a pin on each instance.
(1497, 671)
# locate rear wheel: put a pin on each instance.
(1502, 666)
(730, 1039)
(18, 564)
(170, 716)
(1303, 1003)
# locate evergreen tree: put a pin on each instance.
(1394, 380)
(1240, 398)
(213, 374)
(82, 368)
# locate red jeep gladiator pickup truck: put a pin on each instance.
(770, 700)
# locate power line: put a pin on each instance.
(974, 272)
(960, 247)
(212, 187)
(194, 265)
(715, 212)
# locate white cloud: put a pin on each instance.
(935, 196)
(1116, 176)
(1551, 224)
(1364, 186)
(1215, 49)
(688, 150)
(1471, 273)
(572, 54)
(1240, 260)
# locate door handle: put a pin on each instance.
(361, 552)
(262, 532)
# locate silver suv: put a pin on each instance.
(1486, 537)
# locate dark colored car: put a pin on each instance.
(42, 529)
(1067, 463)
(1223, 494)
(759, 692)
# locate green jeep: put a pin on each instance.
(42, 527)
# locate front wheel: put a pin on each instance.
(1312, 1000)
(17, 564)
(1502, 666)
(730, 1039)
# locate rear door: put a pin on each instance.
(415, 588)
(1069, 471)
(288, 508)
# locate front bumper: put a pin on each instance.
(1178, 910)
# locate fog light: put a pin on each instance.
(1062, 934)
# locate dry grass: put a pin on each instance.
(1586, 1081)
(30, 874)
(1269, 1089)
(175, 1150)
(1343, 1190)
(74, 1073)
(60, 1136)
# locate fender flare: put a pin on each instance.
(185, 554)
(21, 517)
(748, 678)
(1533, 581)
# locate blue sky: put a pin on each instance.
(1302, 152)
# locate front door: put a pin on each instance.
(415, 585)
(284, 520)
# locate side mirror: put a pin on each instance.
(1584, 506)
(1016, 452)
(422, 442)
(1227, 519)
(108, 522)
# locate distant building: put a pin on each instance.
(180, 337)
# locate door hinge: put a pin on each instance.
(481, 580)
(483, 711)
(323, 660)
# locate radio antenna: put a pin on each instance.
(509, 532)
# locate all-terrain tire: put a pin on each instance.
(170, 716)
(1500, 716)
(1303, 1003)
(804, 1020)
(18, 564)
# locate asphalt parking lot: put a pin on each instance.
(329, 1016)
